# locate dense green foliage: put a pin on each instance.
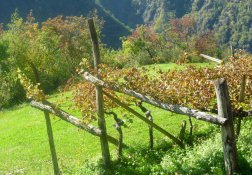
(230, 20)
(178, 42)
(49, 9)
(48, 53)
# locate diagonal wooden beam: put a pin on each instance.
(212, 58)
(160, 129)
(169, 107)
(50, 108)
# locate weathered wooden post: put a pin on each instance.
(232, 51)
(99, 97)
(51, 143)
(118, 125)
(48, 125)
(150, 118)
(227, 130)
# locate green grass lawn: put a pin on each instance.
(24, 147)
(24, 144)
(173, 66)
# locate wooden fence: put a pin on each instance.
(223, 119)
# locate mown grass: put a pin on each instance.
(173, 66)
(152, 69)
(24, 147)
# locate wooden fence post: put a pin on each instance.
(48, 125)
(99, 97)
(51, 143)
(118, 125)
(191, 126)
(150, 118)
(227, 130)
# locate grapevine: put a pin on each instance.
(192, 87)
(32, 90)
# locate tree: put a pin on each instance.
(46, 53)
(206, 43)
(143, 41)
(179, 36)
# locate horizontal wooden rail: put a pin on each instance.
(169, 107)
(48, 107)
(212, 58)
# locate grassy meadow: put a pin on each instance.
(24, 147)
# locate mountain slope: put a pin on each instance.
(230, 19)
(45, 9)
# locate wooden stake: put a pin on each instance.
(99, 97)
(118, 125)
(227, 130)
(48, 125)
(191, 126)
(190, 131)
(51, 143)
(150, 118)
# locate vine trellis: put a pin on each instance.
(224, 119)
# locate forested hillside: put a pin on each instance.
(230, 19)
(42, 10)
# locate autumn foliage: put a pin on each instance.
(191, 87)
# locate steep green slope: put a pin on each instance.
(43, 10)
(120, 16)
(230, 19)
